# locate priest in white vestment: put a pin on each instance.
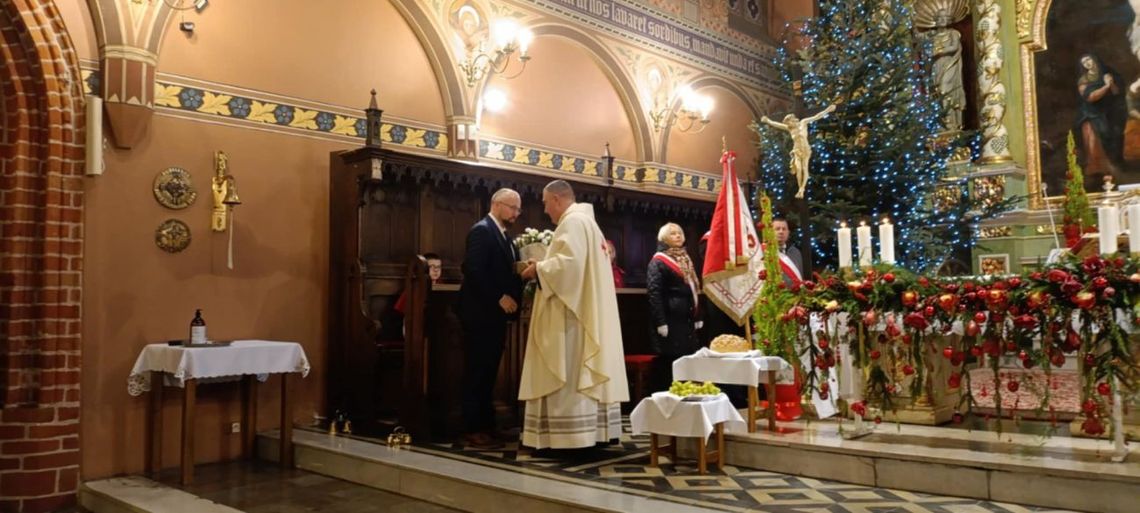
(573, 376)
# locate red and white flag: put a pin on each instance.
(732, 258)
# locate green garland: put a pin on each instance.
(896, 318)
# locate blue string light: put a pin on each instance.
(875, 156)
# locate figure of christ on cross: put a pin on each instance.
(801, 148)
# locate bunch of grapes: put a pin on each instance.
(687, 388)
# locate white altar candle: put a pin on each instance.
(863, 233)
(887, 242)
(844, 237)
(1134, 228)
(1108, 218)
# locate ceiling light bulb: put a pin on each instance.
(494, 100)
(525, 38)
(503, 32)
(706, 106)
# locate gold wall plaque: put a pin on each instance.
(172, 236)
(173, 189)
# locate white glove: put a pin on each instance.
(699, 324)
(663, 330)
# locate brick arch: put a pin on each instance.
(41, 247)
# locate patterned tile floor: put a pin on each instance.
(625, 467)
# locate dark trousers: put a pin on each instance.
(482, 351)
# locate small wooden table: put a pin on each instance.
(704, 456)
(665, 415)
(755, 411)
(751, 371)
(245, 359)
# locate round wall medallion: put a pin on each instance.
(172, 236)
(172, 188)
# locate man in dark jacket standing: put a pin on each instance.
(488, 298)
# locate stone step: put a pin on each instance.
(452, 483)
(135, 494)
(1056, 472)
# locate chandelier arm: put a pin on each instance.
(521, 70)
(474, 69)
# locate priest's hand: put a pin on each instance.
(531, 271)
(508, 304)
(663, 330)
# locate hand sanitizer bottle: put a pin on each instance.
(197, 329)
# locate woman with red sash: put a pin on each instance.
(672, 289)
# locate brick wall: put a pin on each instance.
(41, 250)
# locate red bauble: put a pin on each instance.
(1022, 355)
(1103, 389)
(763, 275)
(822, 343)
(975, 351)
(1092, 426)
(923, 281)
(909, 298)
(955, 380)
(889, 277)
(1089, 406)
(1014, 282)
(1108, 292)
(980, 317)
(875, 354)
(1084, 299)
(1090, 360)
(1100, 282)
(859, 408)
(948, 302)
(929, 311)
(1058, 359)
(1012, 386)
(948, 352)
(908, 369)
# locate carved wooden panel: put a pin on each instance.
(454, 210)
(388, 227)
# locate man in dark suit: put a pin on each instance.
(488, 298)
(780, 225)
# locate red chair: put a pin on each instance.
(639, 371)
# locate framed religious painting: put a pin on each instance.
(993, 265)
(1081, 76)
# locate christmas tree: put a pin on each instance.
(883, 152)
(1078, 217)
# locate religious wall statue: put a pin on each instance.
(801, 147)
(945, 54)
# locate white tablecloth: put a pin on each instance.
(730, 371)
(258, 357)
(696, 419)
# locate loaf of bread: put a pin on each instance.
(730, 344)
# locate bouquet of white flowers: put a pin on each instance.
(532, 243)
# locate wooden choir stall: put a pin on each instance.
(385, 209)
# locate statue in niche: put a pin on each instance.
(945, 54)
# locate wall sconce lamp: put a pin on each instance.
(507, 38)
(225, 194)
(691, 116)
